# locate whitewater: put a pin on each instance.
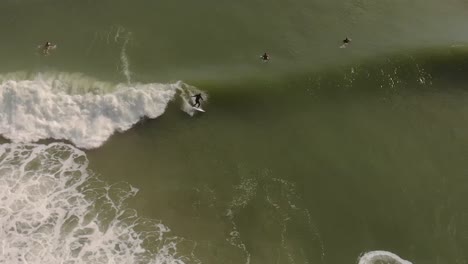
(53, 210)
(78, 108)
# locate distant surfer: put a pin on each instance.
(197, 103)
(346, 42)
(47, 47)
(265, 57)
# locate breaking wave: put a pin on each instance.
(78, 108)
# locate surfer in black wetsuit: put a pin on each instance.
(265, 57)
(346, 40)
(197, 103)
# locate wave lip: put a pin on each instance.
(42, 107)
(380, 256)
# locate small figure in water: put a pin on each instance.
(47, 47)
(265, 57)
(346, 42)
(197, 103)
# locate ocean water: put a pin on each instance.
(322, 155)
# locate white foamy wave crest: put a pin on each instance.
(380, 256)
(44, 106)
(53, 212)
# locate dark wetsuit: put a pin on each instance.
(198, 97)
(265, 57)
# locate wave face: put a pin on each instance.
(75, 107)
(379, 256)
(52, 211)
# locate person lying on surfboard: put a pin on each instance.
(265, 57)
(197, 103)
(346, 40)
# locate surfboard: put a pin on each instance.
(51, 47)
(267, 60)
(199, 109)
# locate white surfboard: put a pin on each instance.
(199, 109)
(50, 47)
(263, 60)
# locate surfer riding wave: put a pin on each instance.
(197, 103)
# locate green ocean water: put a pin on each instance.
(318, 156)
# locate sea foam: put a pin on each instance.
(77, 108)
(380, 256)
(53, 211)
